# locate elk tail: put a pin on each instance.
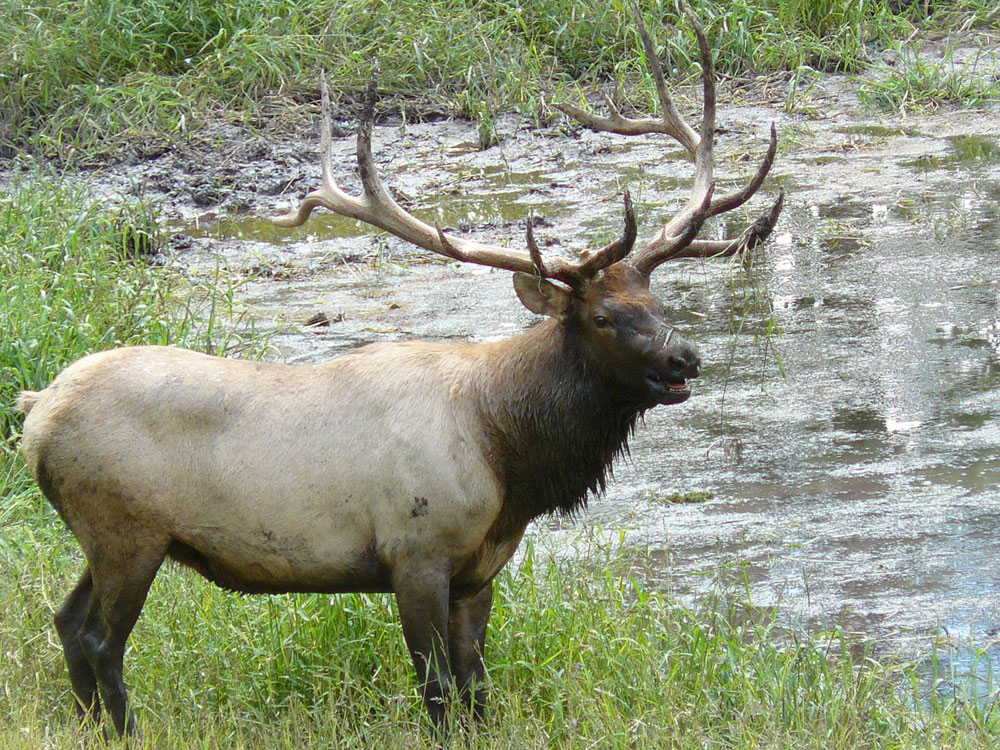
(26, 401)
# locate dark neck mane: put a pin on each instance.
(554, 426)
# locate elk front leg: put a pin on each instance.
(466, 644)
(422, 594)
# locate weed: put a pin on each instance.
(677, 498)
(800, 86)
(921, 84)
(82, 78)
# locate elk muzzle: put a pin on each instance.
(674, 361)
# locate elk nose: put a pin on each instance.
(685, 363)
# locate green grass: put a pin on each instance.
(920, 84)
(580, 655)
(81, 77)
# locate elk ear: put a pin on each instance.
(541, 295)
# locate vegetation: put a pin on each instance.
(580, 656)
(84, 75)
(919, 84)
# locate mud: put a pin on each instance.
(851, 475)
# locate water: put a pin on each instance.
(865, 493)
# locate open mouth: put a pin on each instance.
(668, 391)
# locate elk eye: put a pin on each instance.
(601, 321)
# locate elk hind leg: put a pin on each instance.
(69, 623)
(121, 584)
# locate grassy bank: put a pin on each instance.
(580, 656)
(74, 279)
(82, 76)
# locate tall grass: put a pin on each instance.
(580, 655)
(919, 84)
(75, 277)
(83, 75)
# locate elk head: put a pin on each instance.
(602, 299)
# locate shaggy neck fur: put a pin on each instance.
(554, 424)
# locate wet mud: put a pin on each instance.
(847, 461)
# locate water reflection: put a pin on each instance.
(966, 151)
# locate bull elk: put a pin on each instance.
(410, 468)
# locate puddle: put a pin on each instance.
(503, 197)
(879, 130)
(323, 225)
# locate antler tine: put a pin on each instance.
(665, 245)
(672, 119)
(328, 195)
(752, 237)
(533, 250)
(704, 159)
(673, 239)
(673, 246)
(325, 127)
(596, 260)
(669, 123)
(621, 247)
(370, 182)
(620, 125)
(377, 207)
(737, 199)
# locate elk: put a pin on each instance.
(411, 468)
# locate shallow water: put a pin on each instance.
(856, 489)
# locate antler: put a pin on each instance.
(377, 207)
(677, 238)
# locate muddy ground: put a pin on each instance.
(851, 476)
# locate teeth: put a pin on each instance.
(679, 387)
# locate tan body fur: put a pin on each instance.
(273, 477)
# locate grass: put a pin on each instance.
(580, 655)
(920, 84)
(86, 76)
